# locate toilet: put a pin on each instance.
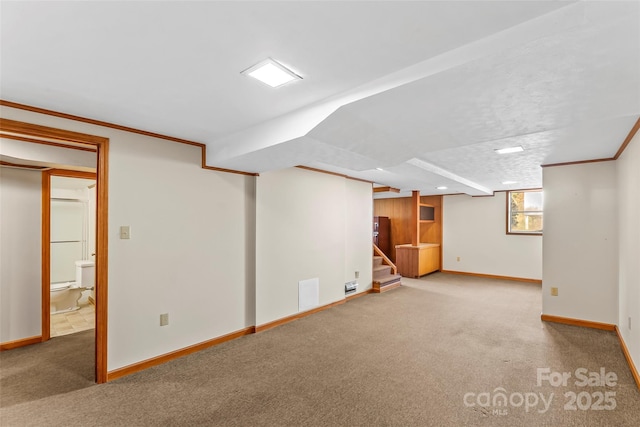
(64, 296)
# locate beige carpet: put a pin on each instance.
(408, 357)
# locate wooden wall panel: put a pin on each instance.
(399, 212)
(432, 232)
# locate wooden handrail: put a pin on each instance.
(385, 258)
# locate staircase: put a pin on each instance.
(383, 278)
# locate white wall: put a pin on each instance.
(190, 254)
(20, 256)
(359, 229)
(187, 254)
(580, 250)
(474, 229)
(309, 225)
(629, 246)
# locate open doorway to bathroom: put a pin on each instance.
(72, 246)
(47, 136)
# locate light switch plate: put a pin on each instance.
(125, 232)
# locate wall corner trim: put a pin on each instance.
(297, 316)
(10, 345)
(136, 367)
(628, 139)
(627, 355)
(577, 322)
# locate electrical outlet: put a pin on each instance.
(164, 319)
(125, 232)
(357, 274)
(554, 292)
(458, 259)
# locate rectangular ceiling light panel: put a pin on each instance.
(509, 150)
(271, 73)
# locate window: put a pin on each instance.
(524, 212)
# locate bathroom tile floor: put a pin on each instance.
(73, 321)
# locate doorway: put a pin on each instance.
(52, 136)
(71, 214)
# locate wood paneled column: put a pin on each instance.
(415, 218)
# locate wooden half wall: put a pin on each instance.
(399, 212)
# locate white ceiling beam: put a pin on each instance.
(300, 122)
(449, 175)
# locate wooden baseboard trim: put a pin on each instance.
(577, 322)
(379, 290)
(627, 355)
(136, 367)
(359, 294)
(296, 316)
(10, 345)
(492, 276)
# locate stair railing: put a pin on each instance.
(378, 252)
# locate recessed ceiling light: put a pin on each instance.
(271, 72)
(509, 182)
(509, 150)
(442, 187)
(379, 169)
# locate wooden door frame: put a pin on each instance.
(46, 240)
(47, 135)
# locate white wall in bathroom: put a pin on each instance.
(20, 259)
(71, 229)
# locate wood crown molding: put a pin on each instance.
(121, 128)
(333, 173)
(577, 322)
(623, 146)
(579, 162)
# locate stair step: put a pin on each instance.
(377, 260)
(386, 283)
(381, 269)
(388, 278)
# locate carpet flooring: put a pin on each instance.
(438, 351)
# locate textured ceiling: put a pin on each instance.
(424, 90)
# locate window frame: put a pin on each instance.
(508, 214)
